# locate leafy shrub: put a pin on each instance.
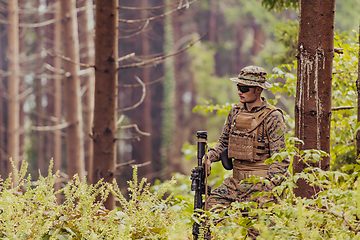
(30, 210)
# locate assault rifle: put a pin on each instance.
(198, 180)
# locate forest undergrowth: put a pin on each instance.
(165, 210)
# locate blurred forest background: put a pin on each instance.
(156, 116)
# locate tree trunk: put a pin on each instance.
(22, 86)
(358, 105)
(13, 83)
(3, 112)
(73, 114)
(105, 129)
(146, 120)
(313, 94)
(57, 139)
(39, 99)
(212, 21)
(169, 98)
(88, 21)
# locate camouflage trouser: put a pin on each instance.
(231, 190)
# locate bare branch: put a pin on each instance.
(142, 29)
(124, 164)
(69, 60)
(43, 116)
(141, 99)
(129, 138)
(126, 57)
(341, 108)
(339, 72)
(142, 164)
(120, 120)
(50, 128)
(147, 8)
(136, 128)
(162, 57)
(32, 25)
(158, 16)
(25, 93)
(138, 85)
(339, 50)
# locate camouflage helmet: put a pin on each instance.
(252, 76)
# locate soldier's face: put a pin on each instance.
(247, 96)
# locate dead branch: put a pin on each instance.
(126, 57)
(4, 154)
(68, 59)
(137, 138)
(5, 73)
(142, 29)
(32, 25)
(136, 128)
(141, 99)
(338, 50)
(138, 85)
(25, 93)
(21, 96)
(186, 5)
(147, 8)
(339, 72)
(44, 116)
(120, 120)
(119, 165)
(50, 128)
(162, 57)
(341, 108)
(141, 164)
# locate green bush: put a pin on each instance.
(30, 210)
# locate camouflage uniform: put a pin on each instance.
(231, 189)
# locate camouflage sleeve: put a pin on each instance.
(223, 142)
(276, 132)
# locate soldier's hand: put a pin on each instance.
(208, 164)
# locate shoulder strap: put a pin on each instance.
(261, 115)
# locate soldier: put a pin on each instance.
(254, 130)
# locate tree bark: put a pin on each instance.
(212, 21)
(73, 113)
(39, 99)
(57, 138)
(13, 84)
(358, 107)
(146, 120)
(88, 22)
(105, 129)
(169, 114)
(313, 94)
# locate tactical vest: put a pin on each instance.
(248, 138)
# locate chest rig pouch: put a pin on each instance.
(244, 143)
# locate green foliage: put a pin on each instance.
(344, 93)
(287, 35)
(279, 5)
(31, 211)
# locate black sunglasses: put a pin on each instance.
(244, 89)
